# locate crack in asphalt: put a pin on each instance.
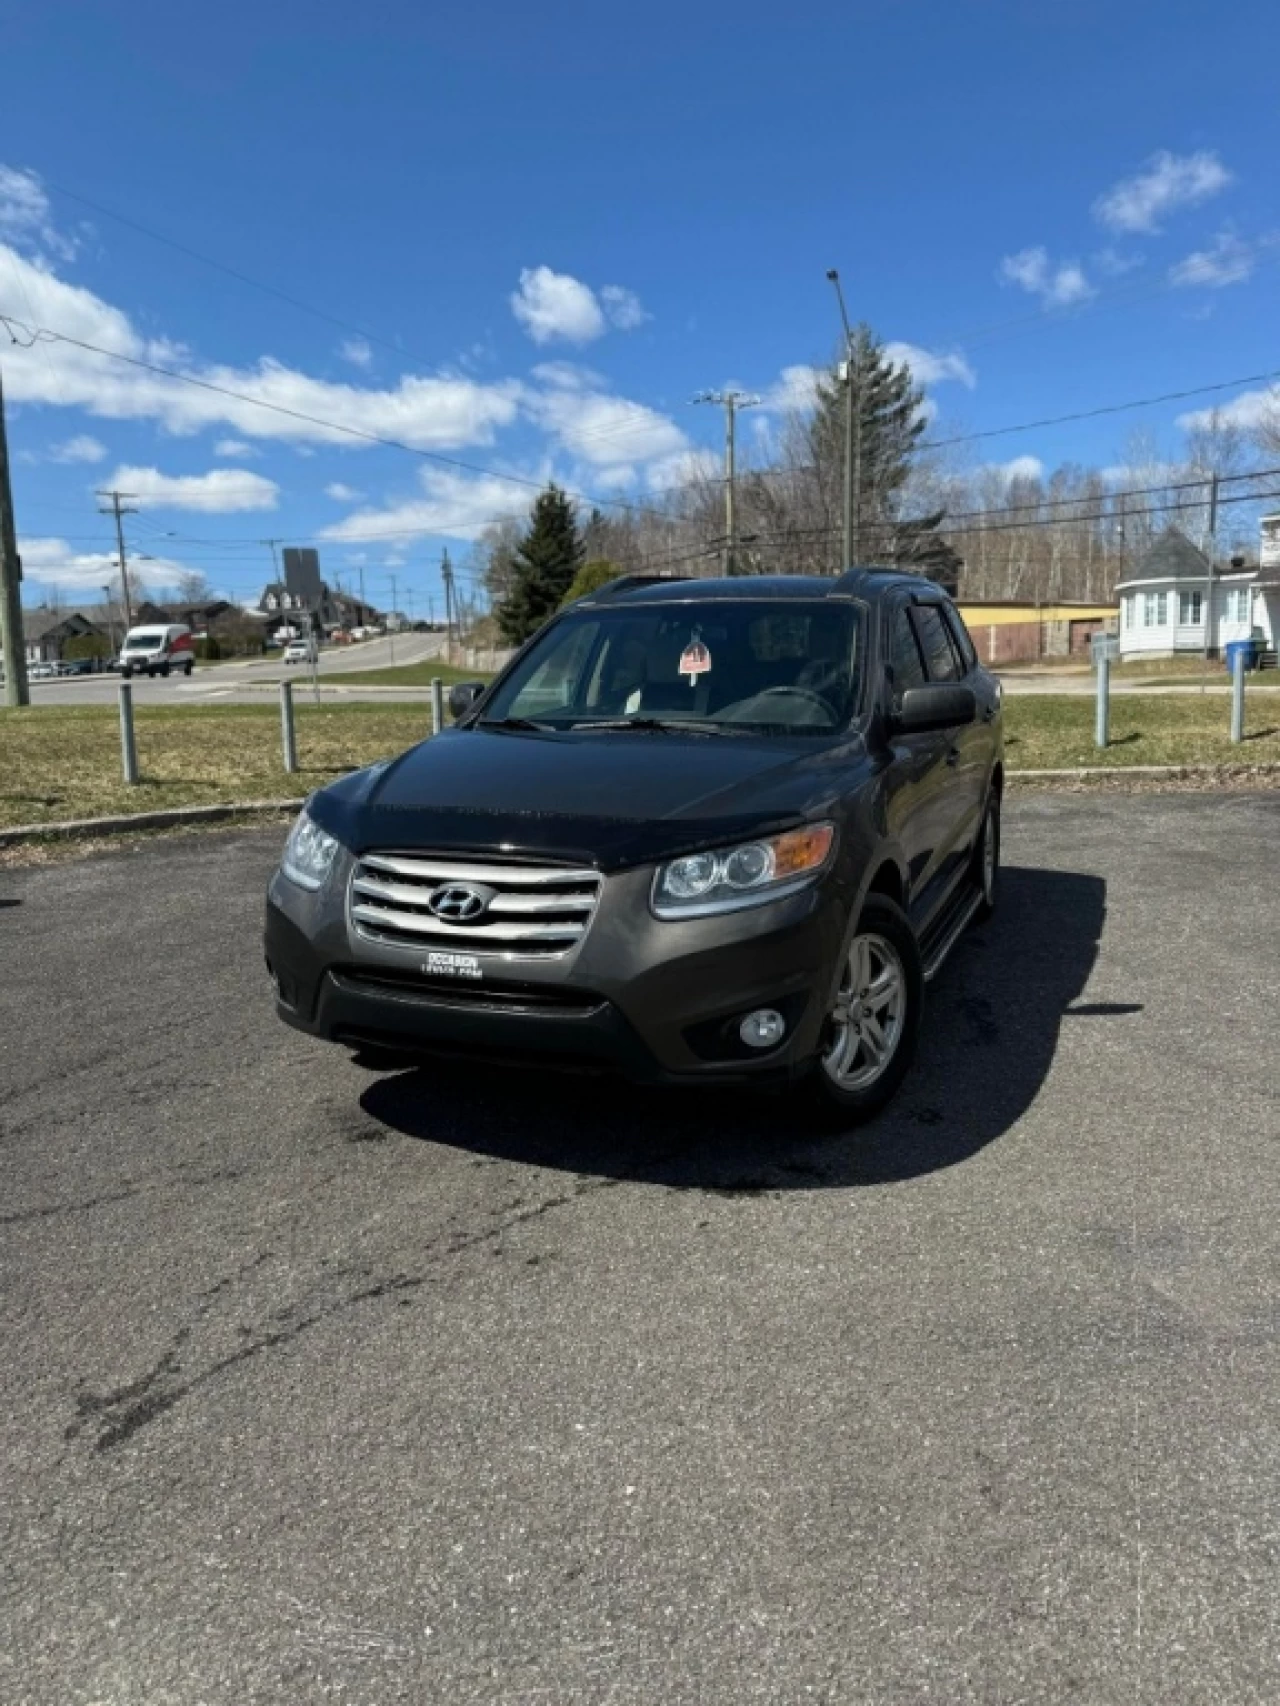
(22, 1216)
(122, 1412)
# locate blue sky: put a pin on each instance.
(558, 222)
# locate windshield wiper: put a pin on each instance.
(513, 723)
(648, 725)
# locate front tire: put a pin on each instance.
(869, 1038)
(986, 859)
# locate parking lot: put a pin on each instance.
(487, 1387)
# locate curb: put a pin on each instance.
(1119, 770)
(171, 817)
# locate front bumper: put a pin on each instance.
(657, 1001)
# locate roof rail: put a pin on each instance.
(627, 583)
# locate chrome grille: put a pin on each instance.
(526, 911)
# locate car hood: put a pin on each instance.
(609, 800)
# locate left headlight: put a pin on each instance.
(746, 875)
(308, 853)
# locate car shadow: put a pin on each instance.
(992, 1023)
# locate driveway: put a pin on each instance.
(483, 1387)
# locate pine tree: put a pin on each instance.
(546, 561)
(891, 420)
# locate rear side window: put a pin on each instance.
(904, 654)
(960, 634)
(941, 659)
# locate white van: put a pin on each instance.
(157, 649)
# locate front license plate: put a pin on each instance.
(452, 965)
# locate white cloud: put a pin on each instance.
(222, 491)
(1251, 409)
(431, 412)
(1115, 263)
(452, 505)
(1056, 286)
(358, 351)
(794, 390)
(1167, 182)
(605, 430)
(685, 468)
(1228, 261)
(55, 563)
(623, 307)
(25, 214)
(569, 376)
(551, 305)
(1020, 468)
(234, 447)
(342, 494)
(81, 448)
(928, 367)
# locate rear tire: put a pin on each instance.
(873, 1020)
(187, 668)
(164, 670)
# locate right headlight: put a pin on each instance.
(309, 853)
(746, 875)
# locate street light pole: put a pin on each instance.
(851, 529)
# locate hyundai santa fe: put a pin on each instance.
(698, 831)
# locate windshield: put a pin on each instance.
(143, 642)
(754, 665)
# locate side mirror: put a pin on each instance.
(463, 695)
(925, 708)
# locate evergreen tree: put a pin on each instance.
(546, 561)
(590, 578)
(890, 418)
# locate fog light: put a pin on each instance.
(762, 1029)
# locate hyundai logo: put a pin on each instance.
(458, 903)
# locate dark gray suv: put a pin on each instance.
(696, 831)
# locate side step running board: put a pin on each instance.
(948, 931)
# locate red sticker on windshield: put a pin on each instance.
(695, 660)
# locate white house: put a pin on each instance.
(1174, 591)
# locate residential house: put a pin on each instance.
(1177, 600)
(45, 632)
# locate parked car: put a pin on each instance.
(299, 651)
(76, 666)
(41, 671)
(700, 831)
(157, 649)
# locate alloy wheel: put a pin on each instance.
(869, 1014)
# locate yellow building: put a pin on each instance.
(1018, 630)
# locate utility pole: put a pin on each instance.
(120, 509)
(446, 576)
(731, 401)
(395, 617)
(1209, 545)
(851, 530)
(364, 608)
(15, 655)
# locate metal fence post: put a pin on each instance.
(437, 704)
(1237, 697)
(128, 746)
(288, 738)
(1102, 717)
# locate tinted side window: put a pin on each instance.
(940, 656)
(960, 634)
(904, 654)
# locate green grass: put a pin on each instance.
(1055, 731)
(62, 761)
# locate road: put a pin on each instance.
(248, 683)
(497, 1389)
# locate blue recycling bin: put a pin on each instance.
(1247, 650)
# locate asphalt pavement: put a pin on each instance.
(488, 1387)
(248, 682)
